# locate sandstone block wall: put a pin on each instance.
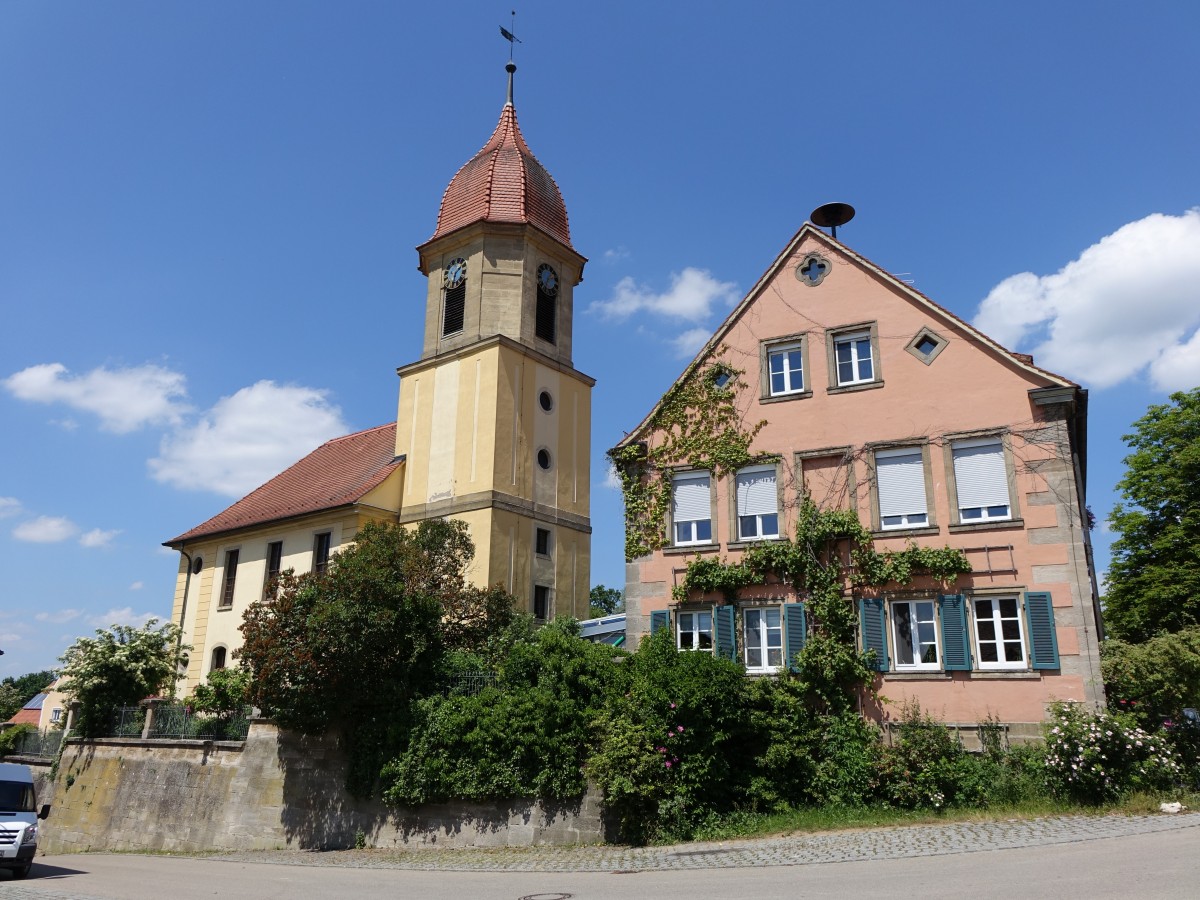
(278, 789)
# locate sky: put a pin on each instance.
(208, 215)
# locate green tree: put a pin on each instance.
(1155, 680)
(1154, 577)
(225, 694)
(10, 700)
(605, 601)
(354, 647)
(120, 666)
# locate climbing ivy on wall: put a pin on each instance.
(831, 551)
(697, 425)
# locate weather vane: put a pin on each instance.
(509, 36)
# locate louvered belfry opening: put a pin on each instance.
(455, 307)
(546, 315)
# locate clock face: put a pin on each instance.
(547, 279)
(456, 272)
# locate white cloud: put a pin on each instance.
(97, 538)
(692, 294)
(123, 616)
(1129, 303)
(9, 637)
(690, 341)
(137, 586)
(57, 618)
(124, 399)
(9, 506)
(612, 480)
(616, 255)
(46, 530)
(247, 438)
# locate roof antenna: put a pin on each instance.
(511, 67)
(831, 215)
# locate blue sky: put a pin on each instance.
(208, 215)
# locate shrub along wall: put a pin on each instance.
(278, 789)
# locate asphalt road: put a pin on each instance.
(1164, 864)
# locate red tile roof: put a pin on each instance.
(26, 717)
(337, 473)
(504, 182)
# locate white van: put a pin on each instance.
(18, 819)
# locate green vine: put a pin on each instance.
(832, 551)
(697, 424)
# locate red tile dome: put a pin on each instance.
(504, 182)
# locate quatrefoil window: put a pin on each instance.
(812, 269)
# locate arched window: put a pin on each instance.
(455, 295)
(546, 315)
(218, 659)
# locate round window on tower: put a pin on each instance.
(543, 458)
(546, 401)
(197, 565)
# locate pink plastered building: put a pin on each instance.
(875, 398)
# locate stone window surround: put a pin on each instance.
(956, 524)
(877, 529)
(832, 335)
(712, 513)
(765, 349)
(926, 332)
(847, 456)
(735, 542)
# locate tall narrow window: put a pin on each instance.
(695, 631)
(546, 314)
(542, 542)
(764, 639)
(321, 552)
(231, 564)
(757, 504)
(691, 508)
(785, 366)
(454, 297)
(914, 629)
(274, 562)
(852, 356)
(999, 641)
(981, 480)
(218, 659)
(900, 475)
(541, 601)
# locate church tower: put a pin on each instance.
(494, 421)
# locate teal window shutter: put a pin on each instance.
(660, 618)
(874, 630)
(724, 637)
(956, 644)
(795, 633)
(1043, 640)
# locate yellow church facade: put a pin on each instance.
(493, 424)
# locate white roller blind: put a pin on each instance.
(690, 496)
(901, 477)
(756, 494)
(979, 474)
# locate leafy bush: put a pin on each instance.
(672, 744)
(10, 737)
(1094, 758)
(526, 735)
(1156, 680)
(927, 767)
(225, 695)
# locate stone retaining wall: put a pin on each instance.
(277, 789)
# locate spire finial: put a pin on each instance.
(511, 67)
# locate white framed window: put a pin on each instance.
(900, 479)
(853, 359)
(56, 715)
(691, 508)
(764, 639)
(695, 631)
(785, 369)
(757, 504)
(999, 636)
(981, 480)
(914, 635)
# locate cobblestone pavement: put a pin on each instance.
(793, 850)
